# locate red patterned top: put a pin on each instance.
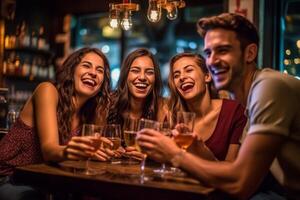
(21, 146)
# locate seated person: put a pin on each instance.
(219, 123)
(49, 125)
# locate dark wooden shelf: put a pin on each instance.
(31, 50)
(25, 78)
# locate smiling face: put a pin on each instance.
(141, 77)
(224, 57)
(89, 75)
(189, 79)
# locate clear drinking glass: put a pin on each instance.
(130, 129)
(185, 125)
(184, 138)
(166, 129)
(112, 132)
(145, 123)
(94, 133)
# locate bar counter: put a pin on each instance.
(113, 181)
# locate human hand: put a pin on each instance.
(132, 152)
(158, 146)
(79, 148)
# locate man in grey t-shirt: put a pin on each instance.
(272, 103)
(272, 100)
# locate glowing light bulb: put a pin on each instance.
(113, 16)
(154, 11)
(172, 11)
(126, 22)
(114, 23)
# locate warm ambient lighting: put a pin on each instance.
(120, 13)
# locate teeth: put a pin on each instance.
(217, 71)
(185, 86)
(89, 81)
(141, 85)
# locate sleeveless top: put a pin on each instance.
(21, 146)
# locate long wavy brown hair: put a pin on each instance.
(176, 102)
(95, 107)
(121, 97)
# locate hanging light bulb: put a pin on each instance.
(113, 16)
(126, 22)
(154, 11)
(172, 11)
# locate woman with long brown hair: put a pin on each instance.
(219, 123)
(138, 93)
(49, 124)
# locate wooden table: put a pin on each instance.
(114, 181)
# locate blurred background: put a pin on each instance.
(36, 36)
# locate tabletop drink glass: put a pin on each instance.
(184, 138)
(130, 129)
(94, 132)
(145, 123)
(166, 129)
(112, 132)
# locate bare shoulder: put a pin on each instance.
(46, 90)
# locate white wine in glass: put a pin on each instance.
(130, 129)
(94, 133)
(129, 137)
(112, 132)
(145, 123)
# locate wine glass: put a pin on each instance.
(93, 132)
(130, 129)
(166, 129)
(185, 125)
(184, 138)
(145, 123)
(112, 132)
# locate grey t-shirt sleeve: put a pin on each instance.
(270, 106)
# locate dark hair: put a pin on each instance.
(176, 102)
(65, 86)
(245, 31)
(121, 97)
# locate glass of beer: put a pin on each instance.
(185, 127)
(184, 137)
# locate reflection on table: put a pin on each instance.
(113, 181)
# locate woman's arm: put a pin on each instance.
(45, 100)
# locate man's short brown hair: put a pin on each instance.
(245, 31)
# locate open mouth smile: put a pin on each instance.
(186, 87)
(89, 82)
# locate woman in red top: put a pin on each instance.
(49, 124)
(218, 123)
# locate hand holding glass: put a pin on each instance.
(93, 132)
(185, 127)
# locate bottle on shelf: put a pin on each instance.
(41, 44)
(24, 37)
(3, 107)
(34, 39)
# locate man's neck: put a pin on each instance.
(240, 90)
